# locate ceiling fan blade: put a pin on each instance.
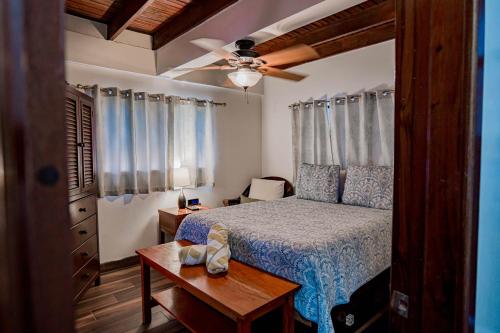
(206, 68)
(275, 72)
(215, 46)
(290, 55)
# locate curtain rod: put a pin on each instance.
(340, 100)
(105, 90)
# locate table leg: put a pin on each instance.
(288, 322)
(161, 235)
(146, 292)
(97, 281)
(244, 326)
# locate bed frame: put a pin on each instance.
(368, 310)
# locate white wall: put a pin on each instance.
(86, 43)
(130, 222)
(348, 72)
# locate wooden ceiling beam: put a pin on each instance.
(369, 26)
(192, 15)
(126, 16)
(356, 40)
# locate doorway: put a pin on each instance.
(438, 102)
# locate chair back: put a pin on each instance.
(288, 189)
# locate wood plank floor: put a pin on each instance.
(115, 305)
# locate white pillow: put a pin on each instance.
(265, 189)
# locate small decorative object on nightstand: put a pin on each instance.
(181, 179)
(170, 219)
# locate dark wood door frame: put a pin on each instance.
(35, 268)
(438, 132)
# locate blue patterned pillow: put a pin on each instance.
(318, 182)
(369, 186)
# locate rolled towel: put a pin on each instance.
(193, 255)
(218, 252)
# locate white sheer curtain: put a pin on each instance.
(354, 130)
(141, 138)
(194, 145)
(310, 134)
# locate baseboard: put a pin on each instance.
(119, 264)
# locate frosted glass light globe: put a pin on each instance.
(245, 77)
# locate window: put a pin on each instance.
(142, 137)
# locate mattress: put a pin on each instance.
(329, 249)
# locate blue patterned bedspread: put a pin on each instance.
(329, 249)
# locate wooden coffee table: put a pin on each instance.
(214, 303)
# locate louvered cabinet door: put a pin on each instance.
(88, 145)
(72, 141)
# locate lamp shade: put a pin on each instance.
(181, 177)
(245, 77)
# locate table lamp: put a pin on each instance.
(181, 179)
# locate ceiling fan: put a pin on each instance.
(249, 65)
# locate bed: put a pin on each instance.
(329, 249)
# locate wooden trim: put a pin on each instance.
(438, 133)
(131, 11)
(36, 268)
(195, 13)
(119, 264)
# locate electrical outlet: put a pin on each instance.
(400, 303)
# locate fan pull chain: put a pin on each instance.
(246, 94)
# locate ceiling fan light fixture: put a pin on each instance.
(245, 77)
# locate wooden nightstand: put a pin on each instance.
(170, 219)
